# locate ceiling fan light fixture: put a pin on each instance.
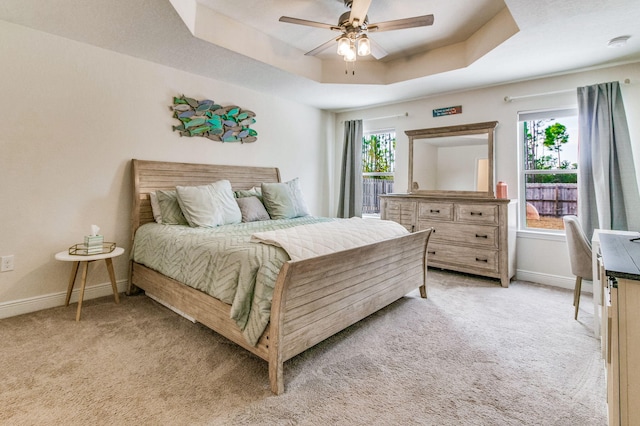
(343, 45)
(350, 56)
(354, 25)
(364, 45)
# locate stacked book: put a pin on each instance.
(94, 243)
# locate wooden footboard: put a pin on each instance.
(313, 298)
(318, 297)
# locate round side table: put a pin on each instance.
(85, 260)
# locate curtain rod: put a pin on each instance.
(406, 114)
(557, 92)
(535, 95)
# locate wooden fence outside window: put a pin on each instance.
(371, 189)
(553, 199)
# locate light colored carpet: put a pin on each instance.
(472, 354)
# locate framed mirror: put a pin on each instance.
(453, 160)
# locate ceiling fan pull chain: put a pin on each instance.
(346, 68)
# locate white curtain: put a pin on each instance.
(607, 186)
(350, 203)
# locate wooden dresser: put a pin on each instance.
(471, 234)
(621, 271)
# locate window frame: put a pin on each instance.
(549, 113)
(390, 131)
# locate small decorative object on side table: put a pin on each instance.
(78, 254)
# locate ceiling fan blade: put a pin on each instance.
(321, 48)
(400, 24)
(307, 23)
(377, 51)
(359, 9)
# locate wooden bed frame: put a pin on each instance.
(313, 299)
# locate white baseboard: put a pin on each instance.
(553, 280)
(38, 303)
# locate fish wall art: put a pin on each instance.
(207, 119)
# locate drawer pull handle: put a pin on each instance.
(431, 252)
(476, 213)
(482, 236)
(482, 260)
(434, 211)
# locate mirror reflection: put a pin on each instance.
(455, 159)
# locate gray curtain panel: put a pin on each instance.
(350, 203)
(607, 185)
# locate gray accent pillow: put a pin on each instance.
(252, 209)
(169, 208)
(284, 200)
(210, 205)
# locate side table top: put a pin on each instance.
(66, 257)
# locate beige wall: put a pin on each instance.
(540, 258)
(73, 115)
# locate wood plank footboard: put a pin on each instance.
(318, 297)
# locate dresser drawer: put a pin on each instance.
(439, 211)
(439, 254)
(485, 236)
(401, 212)
(477, 213)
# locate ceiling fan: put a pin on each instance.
(354, 26)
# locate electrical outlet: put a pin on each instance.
(7, 263)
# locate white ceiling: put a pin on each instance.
(473, 43)
(460, 35)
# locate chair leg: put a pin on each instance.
(575, 291)
(578, 289)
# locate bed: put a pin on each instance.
(312, 299)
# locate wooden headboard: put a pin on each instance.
(149, 176)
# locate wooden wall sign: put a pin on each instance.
(439, 112)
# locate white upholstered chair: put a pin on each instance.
(579, 254)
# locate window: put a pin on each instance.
(549, 141)
(378, 167)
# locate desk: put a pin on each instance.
(598, 306)
(85, 260)
(621, 269)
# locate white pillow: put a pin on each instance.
(284, 200)
(155, 207)
(209, 205)
(298, 198)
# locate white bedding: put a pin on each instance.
(305, 241)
